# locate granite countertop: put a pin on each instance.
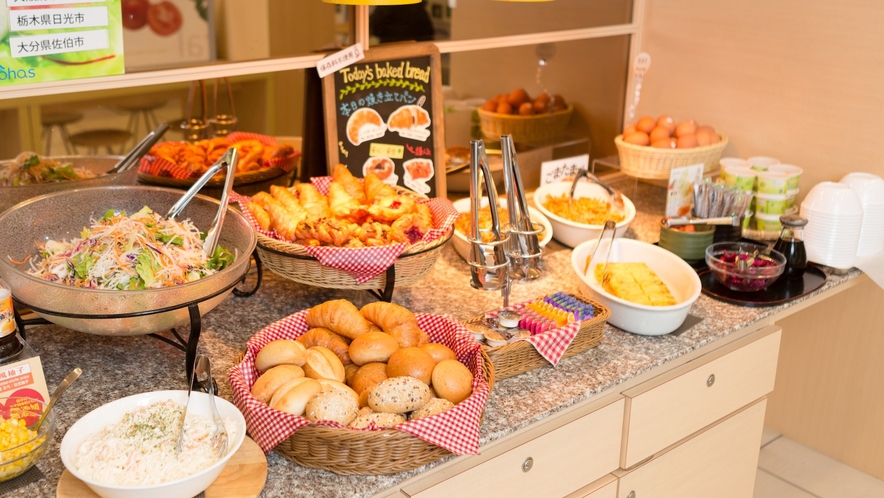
(114, 367)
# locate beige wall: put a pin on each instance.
(796, 79)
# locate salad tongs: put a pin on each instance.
(228, 161)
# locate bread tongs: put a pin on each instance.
(524, 245)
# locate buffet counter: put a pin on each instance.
(117, 367)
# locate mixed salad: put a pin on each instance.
(28, 169)
(120, 252)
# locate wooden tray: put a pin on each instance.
(244, 475)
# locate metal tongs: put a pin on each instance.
(609, 225)
(135, 155)
(228, 161)
(524, 246)
(489, 263)
(219, 440)
(616, 196)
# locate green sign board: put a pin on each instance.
(52, 40)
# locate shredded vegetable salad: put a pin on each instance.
(28, 168)
(120, 252)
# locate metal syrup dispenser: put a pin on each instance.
(489, 263)
(524, 247)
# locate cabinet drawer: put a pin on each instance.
(721, 461)
(658, 415)
(561, 461)
(606, 487)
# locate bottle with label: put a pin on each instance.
(10, 345)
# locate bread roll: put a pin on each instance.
(368, 375)
(398, 395)
(363, 398)
(273, 379)
(327, 339)
(365, 410)
(452, 381)
(380, 419)
(397, 321)
(372, 347)
(335, 406)
(293, 396)
(333, 385)
(323, 364)
(432, 407)
(413, 362)
(439, 352)
(350, 370)
(339, 316)
(281, 352)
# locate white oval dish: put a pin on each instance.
(679, 277)
(113, 412)
(568, 232)
(462, 245)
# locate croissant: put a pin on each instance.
(343, 205)
(264, 198)
(396, 321)
(423, 217)
(341, 175)
(327, 339)
(313, 201)
(260, 215)
(375, 188)
(286, 197)
(339, 316)
(391, 208)
(284, 222)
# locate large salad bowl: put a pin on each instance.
(62, 215)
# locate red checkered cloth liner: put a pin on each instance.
(552, 343)
(456, 430)
(364, 263)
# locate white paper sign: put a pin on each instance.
(32, 3)
(679, 196)
(58, 43)
(556, 171)
(43, 19)
(340, 60)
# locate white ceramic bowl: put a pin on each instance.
(682, 280)
(462, 245)
(113, 412)
(833, 198)
(568, 232)
(869, 187)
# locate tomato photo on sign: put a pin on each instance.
(135, 13)
(164, 18)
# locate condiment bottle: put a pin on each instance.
(10, 346)
(791, 245)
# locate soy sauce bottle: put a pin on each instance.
(10, 345)
(791, 245)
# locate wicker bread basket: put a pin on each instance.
(248, 183)
(519, 357)
(525, 128)
(655, 164)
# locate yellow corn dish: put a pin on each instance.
(16, 441)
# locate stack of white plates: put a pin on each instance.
(870, 189)
(834, 222)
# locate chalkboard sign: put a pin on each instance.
(383, 114)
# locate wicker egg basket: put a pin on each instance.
(653, 163)
(525, 128)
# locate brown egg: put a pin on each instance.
(558, 102)
(707, 128)
(638, 138)
(646, 124)
(629, 130)
(667, 122)
(504, 108)
(686, 141)
(659, 133)
(526, 109)
(490, 106)
(500, 97)
(666, 143)
(704, 137)
(688, 127)
(716, 138)
(518, 97)
(542, 103)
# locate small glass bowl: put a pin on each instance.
(723, 257)
(16, 460)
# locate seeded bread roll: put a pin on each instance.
(432, 407)
(335, 406)
(273, 379)
(281, 352)
(294, 395)
(381, 419)
(323, 364)
(333, 385)
(365, 410)
(399, 395)
(372, 347)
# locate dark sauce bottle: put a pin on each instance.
(791, 245)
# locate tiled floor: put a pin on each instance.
(787, 469)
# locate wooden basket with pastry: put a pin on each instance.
(345, 233)
(262, 162)
(540, 332)
(367, 391)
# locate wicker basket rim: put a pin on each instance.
(239, 179)
(618, 140)
(568, 109)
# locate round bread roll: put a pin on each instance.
(452, 381)
(333, 385)
(439, 352)
(280, 352)
(350, 370)
(323, 364)
(413, 362)
(293, 396)
(432, 407)
(380, 419)
(369, 375)
(273, 379)
(335, 406)
(363, 398)
(372, 347)
(399, 395)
